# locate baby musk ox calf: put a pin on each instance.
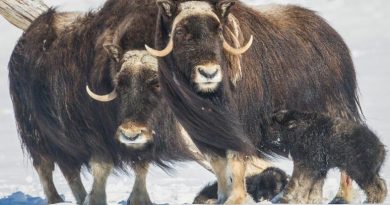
(263, 186)
(58, 122)
(225, 67)
(318, 143)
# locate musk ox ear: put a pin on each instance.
(224, 7)
(114, 51)
(167, 6)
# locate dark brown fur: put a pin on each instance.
(318, 143)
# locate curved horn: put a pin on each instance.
(163, 52)
(237, 51)
(102, 98)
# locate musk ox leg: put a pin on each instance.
(100, 170)
(235, 172)
(139, 195)
(345, 193)
(219, 165)
(376, 189)
(315, 194)
(298, 188)
(72, 176)
(44, 168)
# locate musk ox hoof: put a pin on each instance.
(92, 200)
(338, 200)
(240, 199)
(139, 199)
(55, 200)
(294, 197)
(278, 199)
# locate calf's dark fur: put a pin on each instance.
(263, 186)
(318, 143)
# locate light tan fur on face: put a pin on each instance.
(131, 129)
(205, 84)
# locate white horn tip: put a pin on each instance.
(152, 51)
(102, 98)
(147, 48)
(251, 40)
(162, 53)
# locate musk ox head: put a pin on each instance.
(193, 35)
(136, 90)
(293, 120)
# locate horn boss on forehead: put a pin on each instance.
(194, 8)
(131, 58)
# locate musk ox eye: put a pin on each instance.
(292, 124)
(179, 31)
(219, 29)
(153, 83)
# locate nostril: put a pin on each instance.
(122, 132)
(209, 73)
(143, 130)
(136, 136)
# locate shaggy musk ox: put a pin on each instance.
(58, 122)
(223, 85)
(318, 143)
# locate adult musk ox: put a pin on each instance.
(318, 143)
(225, 68)
(58, 122)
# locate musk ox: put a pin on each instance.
(318, 143)
(58, 121)
(223, 84)
(263, 186)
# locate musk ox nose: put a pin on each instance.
(134, 136)
(208, 71)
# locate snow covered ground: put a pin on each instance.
(365, 25)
